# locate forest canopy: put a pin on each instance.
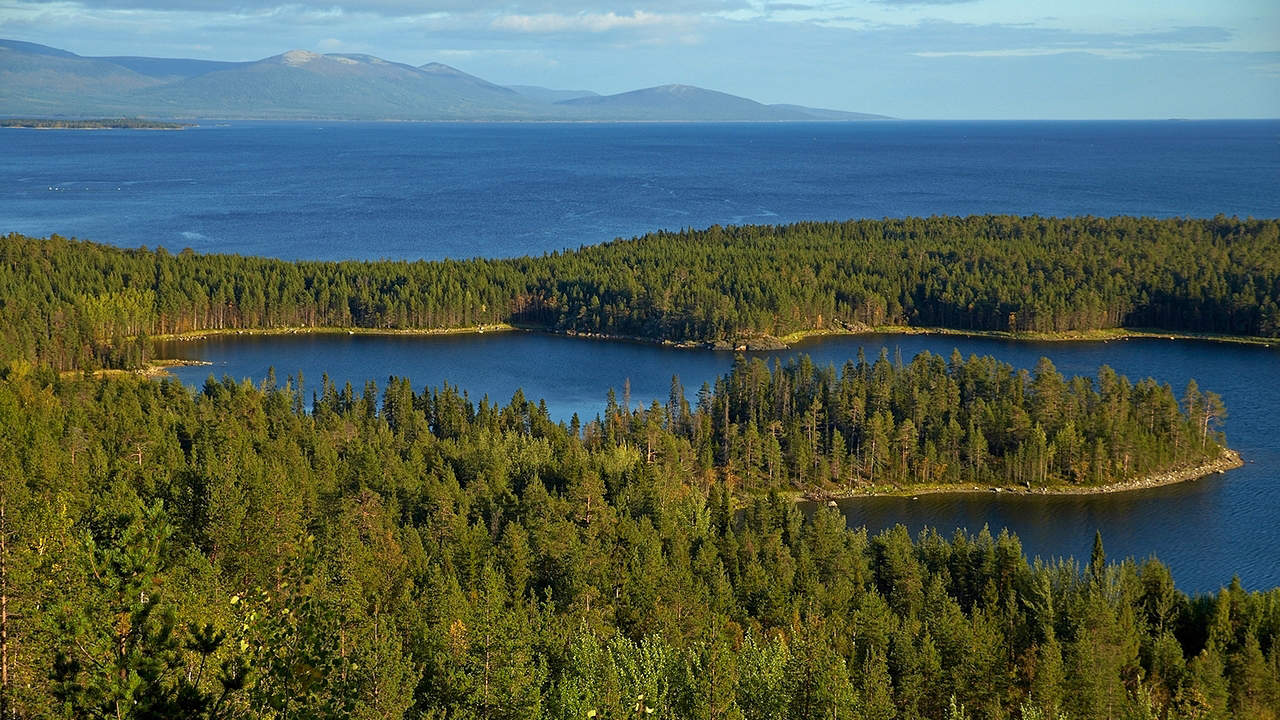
(73, 304)
(389, 553)
(297, 549)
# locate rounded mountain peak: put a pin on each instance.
(298, 57)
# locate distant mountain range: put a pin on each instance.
(41, 81)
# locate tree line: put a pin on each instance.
(101, 124)
(931, 421)
(75, 304)
(295, 551)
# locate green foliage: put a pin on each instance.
(76, 305)
(287, 636)
(226, 554)
(123, 655)
(819, 418)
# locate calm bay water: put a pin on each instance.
(407, 191)
(1205, 530)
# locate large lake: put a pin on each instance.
(406, 191)
(1205, 530)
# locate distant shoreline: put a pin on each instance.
(95, 124)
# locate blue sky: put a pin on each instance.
(945, 59)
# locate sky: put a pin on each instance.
(925, 59)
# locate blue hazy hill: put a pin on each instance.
(43, 81)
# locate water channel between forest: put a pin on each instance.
(1204, 530)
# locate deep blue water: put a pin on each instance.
(1205, 530)
(405, 191)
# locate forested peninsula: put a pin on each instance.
(247, 552)
(74, 305)
(100, 124)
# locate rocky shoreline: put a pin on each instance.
(1226, 460)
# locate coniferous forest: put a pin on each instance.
(78, 305)
(248, 551)
(296, 549)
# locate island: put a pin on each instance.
(99, 124)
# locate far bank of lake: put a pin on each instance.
(1198, 528)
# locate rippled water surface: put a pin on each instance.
(406, 191)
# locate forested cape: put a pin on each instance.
(931, 421)
(249, 551)
(78, 305)
(103, 124)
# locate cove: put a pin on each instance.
(1204, 530)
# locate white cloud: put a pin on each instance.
(584, 22)
(515, 58)
(1267, 69)
(1027, 52)
(402, 8)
